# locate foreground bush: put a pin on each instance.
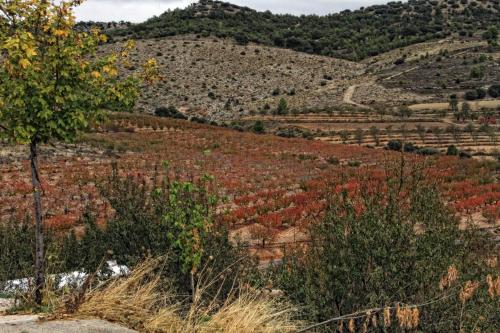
(171, 218)
(399, 252)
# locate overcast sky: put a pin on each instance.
(140, 10)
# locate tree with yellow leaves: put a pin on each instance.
(53, 84)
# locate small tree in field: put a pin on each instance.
(375, 132)
(453, 104)
(282, 109)
(359, 135)
(53, 84)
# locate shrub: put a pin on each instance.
(333, 160)
(367, 254)
(452, 151)
(282, 107)
(427, 151)
(471, 95)
(477, 72)
(410, 147)
(199, 120)
(399, 61)
(241, 38)
(16, 261)
(481, 93)
(396, 145)
(354, 163)
(258, 127)
(159, 220)
(170, 112)
(494, 91)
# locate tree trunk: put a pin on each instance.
(39, 242)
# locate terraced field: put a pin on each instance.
(275, 186)
(425, 128)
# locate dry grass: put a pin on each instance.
(137, 302)
(128, 301)
(249, 314)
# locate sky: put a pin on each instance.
(140, 10)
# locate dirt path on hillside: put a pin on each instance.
(401, 73)
(349, 95)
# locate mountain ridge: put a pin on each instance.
(352, 35)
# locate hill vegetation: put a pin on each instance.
(352, 35)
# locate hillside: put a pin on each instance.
(220, 80)
(352, 35)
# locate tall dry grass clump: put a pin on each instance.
(141, 301)
(128, 301)
(249, 313)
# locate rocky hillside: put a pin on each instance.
(220, 80)
(352, 35)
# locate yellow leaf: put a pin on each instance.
(30, 52)
(25, 63)
(61, 33)
(95, 74)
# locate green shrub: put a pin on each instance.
(17, 241)
(170, 112)
(282, 107)
(452, 151)
(258, 127)
(171, 218)
(387, 248)
(494, 91)
(396, 145)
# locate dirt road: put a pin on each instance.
(349, 95)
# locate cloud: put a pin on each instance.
(140, 10)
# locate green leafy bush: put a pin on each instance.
(170, 112)
(258, 127)
(391, 247)
(494, 91)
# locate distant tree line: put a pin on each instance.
(351, 35)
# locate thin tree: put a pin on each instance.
(466, 111)
(421, 132)
(53, 84)
(375, 132)
(454, 104)
(359, 135)
(344, 135)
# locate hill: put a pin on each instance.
(220, 80)
(352, 35)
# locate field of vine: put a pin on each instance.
(274, 186)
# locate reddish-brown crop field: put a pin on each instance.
(274, 186)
